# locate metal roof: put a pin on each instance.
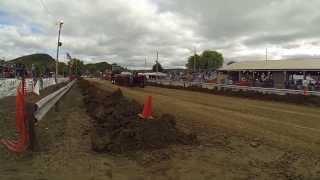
(154, 74)
(274, 65)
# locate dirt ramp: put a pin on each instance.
(118, 129)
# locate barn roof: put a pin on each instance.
(300, 65)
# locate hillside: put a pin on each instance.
(39, 60)
(43, 61)
(100, 67)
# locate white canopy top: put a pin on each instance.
(154, 74)
(300, 65)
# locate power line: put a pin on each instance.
(46, 9)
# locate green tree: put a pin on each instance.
(211, 60)
(97, 67)
(157, 67)
(208, 60)
(63, 68)
(37, 71)
(76, 66)
(193, 60)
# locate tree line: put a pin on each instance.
(208, 60)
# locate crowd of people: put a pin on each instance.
(266, 79)
(193, 77)
(258, 79)
(309, 83)
(20, 70)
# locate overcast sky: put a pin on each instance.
(127, 31)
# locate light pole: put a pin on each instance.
(194, 60)
(58, 48)
(157, 62)
(266, 54)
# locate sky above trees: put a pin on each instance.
(127, 32)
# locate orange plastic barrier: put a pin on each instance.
(20, 145)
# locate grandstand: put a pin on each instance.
(290, 74)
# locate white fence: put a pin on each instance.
(236, 88)
(8, 87)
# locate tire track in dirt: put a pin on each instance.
(221, 101)
(233, 146)
(247, 119)
(226, 109)
(275, 129)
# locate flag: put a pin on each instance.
(68, 56)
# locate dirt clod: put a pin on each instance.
(118, 129)
(256, 142)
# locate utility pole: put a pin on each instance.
(58, 49)
(145, 63)
(194, 60)
(266, 55)
(157, 62)
(76, 68)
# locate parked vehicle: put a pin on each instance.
(128, 79)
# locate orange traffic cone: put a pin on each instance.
(147, 109)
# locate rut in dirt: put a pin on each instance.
(118, 129)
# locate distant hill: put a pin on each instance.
(43, 61)
(39, 60)
(100, 67)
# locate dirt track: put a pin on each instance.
(292, 125)
(237, 125)
(236, 143)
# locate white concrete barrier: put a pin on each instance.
(236, 88)
(8, 87)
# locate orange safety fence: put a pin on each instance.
(20, 145)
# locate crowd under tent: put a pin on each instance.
(290, 74)
(154, 75)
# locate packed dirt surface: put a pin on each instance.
(117, 128)
(299, 99)
(238, 139)
(249, 138)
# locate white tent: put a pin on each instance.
(126, 73)
(154, 75)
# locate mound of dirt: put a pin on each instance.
(118, 129)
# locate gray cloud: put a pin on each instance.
(302, 56)
(126, 32)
